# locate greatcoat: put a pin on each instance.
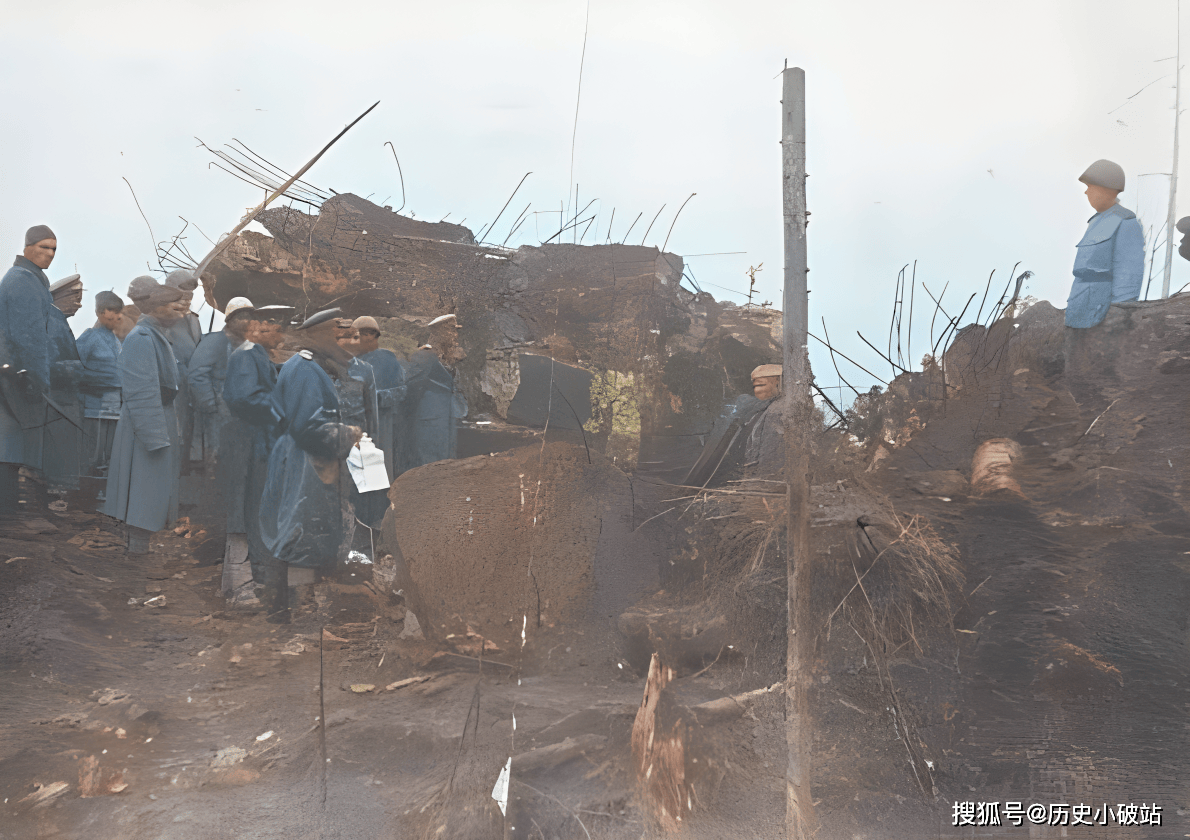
(207, 370)
(432, 410)
(306, 515)
(25, 305)
(184, 336)
(1108, 268)
(61, 458)
(142, 480)
(99, 351)
(390, 394)
(246, 440)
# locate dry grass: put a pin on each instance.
(905, 578)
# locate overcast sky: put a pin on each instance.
(947, 133)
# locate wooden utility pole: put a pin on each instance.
(1173, 173)
(800, 822)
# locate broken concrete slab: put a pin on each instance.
(553, 390)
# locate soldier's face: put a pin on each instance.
(41, 254)
(766, 387)
(269, 336)
(349, 341)
(182, 305)
(1101, 198)
(238, 327)
(368, 341)
(165, 313)
(109, 318)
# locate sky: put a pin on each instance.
(950, 135)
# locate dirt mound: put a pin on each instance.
(535, 538)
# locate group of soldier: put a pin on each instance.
(283, 413)
(275, 409)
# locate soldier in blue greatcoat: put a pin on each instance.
(390, 386)
(183, 335)
(1110, 262)
(208, 367)
(359, 404)
(306, 514)
(25, 358)
(142, 479)
(62, 444)
(99, 351)
(255, 423)
(433, 408)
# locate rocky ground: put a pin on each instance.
(136, 706)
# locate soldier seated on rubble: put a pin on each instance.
(764, 434)
(746, 440)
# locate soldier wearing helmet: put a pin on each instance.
(1109, 265)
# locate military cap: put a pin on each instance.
(366, 322)
(107, 300)
(37, 233)
(147, 289)
(766, 370)
(66, 286)
(237, 304)
(442, 319)
(1104, 173)
(1183, 224)
(274, 313)
(183, 279)
(320, 318)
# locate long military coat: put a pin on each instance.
(723, 454)
(359, 406)
(99, 351)
(1108, 268)
(764, 446)
(62, 443)
(245, 443)
(142, 480)
(306, 515)
(390, 394)
(248, 393)
(25, 304)
(206, 371)
(357, 397)
(183, 336)
(432, 411)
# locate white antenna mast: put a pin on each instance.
(1173, 176)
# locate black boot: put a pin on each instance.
(276, 591)
(10, 489)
